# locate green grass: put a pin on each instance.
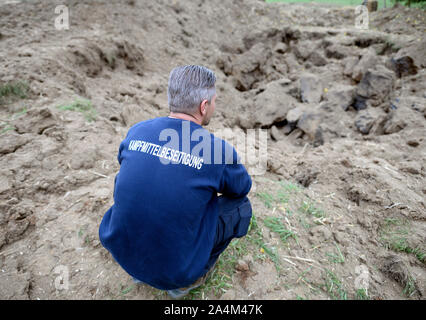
(362, 294)
(410, 287)
(11, 91)
(302, 275)
(334, 287)
(282, 195)
(19, 113)
(285, 190)
(419, 253)
(314, 288)
(122, 291)
(6, 129)
(5, 124)
(394, 236)
(267, 198)
(81, 105)
(289, 186)
(221, 279)
(255, 238)
(275, 225)
(392, 221)
(336, 258)
(391, 44)
(81, 232)
(302, 221)
(310, 209)
(273, 255)
(127, 290)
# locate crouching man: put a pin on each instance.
(168, 224)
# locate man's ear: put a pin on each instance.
(203, 107)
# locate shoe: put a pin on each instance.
(137, 281)
(180, 293)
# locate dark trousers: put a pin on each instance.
(233, 222)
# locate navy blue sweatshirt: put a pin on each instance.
(162, 225)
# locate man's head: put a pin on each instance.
(192, 91)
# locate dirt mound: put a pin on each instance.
(340, 212)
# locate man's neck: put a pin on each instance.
(184, 116)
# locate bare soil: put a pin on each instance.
(345, 112)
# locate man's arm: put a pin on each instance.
(119, 159)
(235, 181)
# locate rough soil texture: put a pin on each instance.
(344, 109)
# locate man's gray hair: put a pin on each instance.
(189, 86)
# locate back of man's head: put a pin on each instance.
(188, 87)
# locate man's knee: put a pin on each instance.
(234, 217)
(245, 214)
(229, 204)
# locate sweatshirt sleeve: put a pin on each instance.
(235, 181)
(122, 144)
(119, 157)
